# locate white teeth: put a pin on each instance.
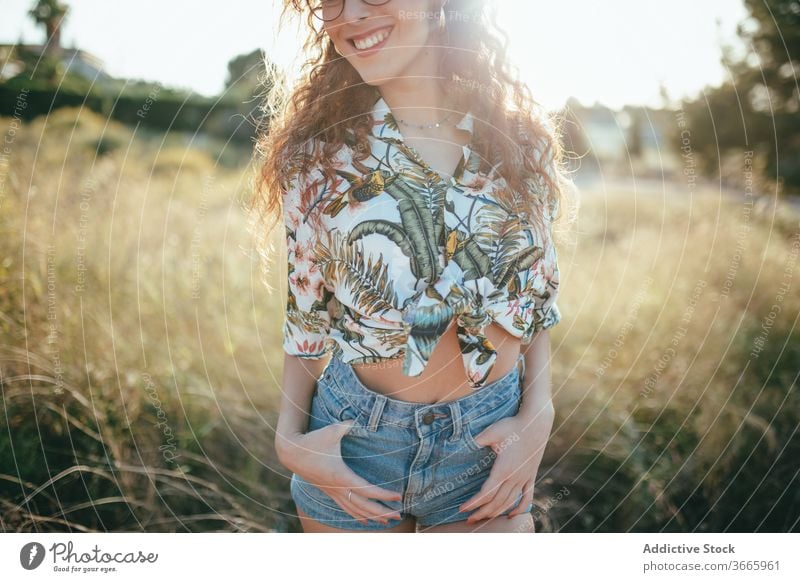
(371, 41)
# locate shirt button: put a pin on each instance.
(428, 418)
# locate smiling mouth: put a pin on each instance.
(372, 42)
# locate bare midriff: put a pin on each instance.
(444, 378)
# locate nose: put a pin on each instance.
(356, 10)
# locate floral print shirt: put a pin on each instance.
(385, 258)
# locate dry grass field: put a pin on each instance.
(140, 353)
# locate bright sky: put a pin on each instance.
(615, 52)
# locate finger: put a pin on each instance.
(526, 495)
(372, 509)
(351, 509)
(515, 506)
(503, 497)
(358, 484)
(485, 438)
(510, 502)
(363, 509)
(362, 513)
(343, 426)
(527, 499)
(339, 429)
(486, 494)
(335, 431)
(363, 490)
(344, 500)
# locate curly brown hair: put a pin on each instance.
(331, 98)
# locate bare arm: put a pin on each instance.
(536, 392)
(307, 323)
(299, 382)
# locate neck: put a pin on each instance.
(417, 97)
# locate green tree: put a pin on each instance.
(246, 74)
(246, 86)
(758, 107)
(50, 14)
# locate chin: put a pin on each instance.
(378, 82)
(376, 79)
(375, 75)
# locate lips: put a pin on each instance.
(371, 40)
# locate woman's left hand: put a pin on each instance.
(519, 442)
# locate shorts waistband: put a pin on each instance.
(342, 384)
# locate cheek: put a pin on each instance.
(414, 36)
(343, 47)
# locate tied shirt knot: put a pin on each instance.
(429, 313)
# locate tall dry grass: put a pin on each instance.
(140, 354)
(670, 417)
(138, 359)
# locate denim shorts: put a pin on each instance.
(426, 452)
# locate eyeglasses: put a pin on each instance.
(327, 10)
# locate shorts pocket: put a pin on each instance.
(326, 410)
(475, 426)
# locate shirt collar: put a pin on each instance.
(385, 125)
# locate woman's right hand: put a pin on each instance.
(316, 456)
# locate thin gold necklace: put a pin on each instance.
(428, 126)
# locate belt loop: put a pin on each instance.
(455, 414)
(377, 411)
(522, 367)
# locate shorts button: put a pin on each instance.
(428, 418)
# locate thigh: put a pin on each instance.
(408, 525)
(522, 523)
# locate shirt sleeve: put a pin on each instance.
(546, 312)
(307, 321)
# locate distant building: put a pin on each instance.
(75, 61)
(632, 139)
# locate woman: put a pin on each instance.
(418, 210)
